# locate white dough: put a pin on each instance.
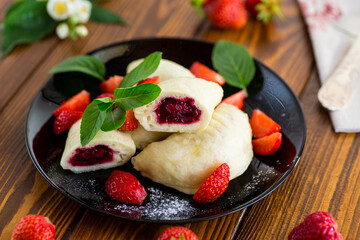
(185, 160)
(205, 94)
(167, 69)
(121, 143)
(142, 138)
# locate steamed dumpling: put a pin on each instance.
(184, 161)
(142, 138)
(106, 150)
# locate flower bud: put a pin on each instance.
(81, 31)
(62, 30)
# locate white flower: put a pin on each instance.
(62, 30)
(60, 9)
(81, 31)
(83, 10)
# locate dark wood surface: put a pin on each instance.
(326, 177)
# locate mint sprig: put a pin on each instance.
(234, 63)
(108, 114)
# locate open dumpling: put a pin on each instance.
(185, 160)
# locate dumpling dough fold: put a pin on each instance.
(120, 144)
(184, 161)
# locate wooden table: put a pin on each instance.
(326, 177)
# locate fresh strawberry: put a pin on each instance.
(130, 123)
(177, 233)
(262, 125)
(103, 95)
(201, 71)
(33, 227)
(109, 85)
(224, 13)
(319, 225)
(267, 145)
(154, 80)
(77, 102)
(125, 188)
(264, 10)
(214, 186)
(65, 120)
(236, 99)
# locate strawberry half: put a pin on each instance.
(65, 120)
(77, 102)
(236, 100)
(125, 188)
(131, 123)
(214, 186)
(177, 233)
(267, 145)
(201, 71)
(318, 225)
(154, 80)
(262, 125)
(264, 10)
(34, 227)
(109, 85)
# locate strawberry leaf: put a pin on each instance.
(102, 15)
(234, 63)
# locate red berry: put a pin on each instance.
(33, 227)
(214, 186)
(201, 71)
(109, 85)
(267, 145)
(264, 10)
(77, 102)
(226, 13)
(176, 233)
(65, 120)
(125, 188)
(131, 123)
(153, 80)
(236, 100)
(318, 226)
(262, 125)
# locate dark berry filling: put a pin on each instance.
(91, 156)
(177, 110)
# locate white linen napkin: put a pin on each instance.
(333, 25)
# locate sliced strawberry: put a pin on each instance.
(201, 71)
(236, 99)
(267, 145)
(214, 186)
(109, 85)
(176, 233)
(154, 80)
(65, 120)
(77, 102)
(34, 227)
(125, 188)
(262, 125)
(130, 123)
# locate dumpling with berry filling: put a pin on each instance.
(166, 69)
(105, 150)
(185, 104)
(183, 161)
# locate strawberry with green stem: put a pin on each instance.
(264, 10)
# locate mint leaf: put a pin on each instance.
(25, 22)
(234, 63)
(143, 70)
(114, 119)
(133, 97)
(104, 104)
(91, 123)
(102, 15)
(89, 65)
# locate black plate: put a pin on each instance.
(165, 205)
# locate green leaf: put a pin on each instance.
(91, 123)
(102, 15)
(114, 119)
(234, 63)
(134, 97)
(85, 64)
(143, 70)
(25, 22)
